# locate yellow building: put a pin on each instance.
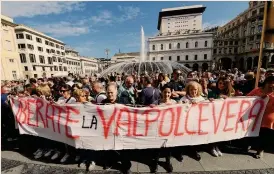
(10, 59)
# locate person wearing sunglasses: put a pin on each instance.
(65, 91)
(67, 98)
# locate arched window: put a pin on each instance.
(196, 44)
(153, 47)
(178, 45)
(205, 43)
(162, 46)
(187, 45)
(169, 46)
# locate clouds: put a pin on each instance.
(106, 17)
(31, 9)
(129, 12)
(64, 28)
(214, 24)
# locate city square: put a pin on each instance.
(113, 87)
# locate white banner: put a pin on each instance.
(105, 127)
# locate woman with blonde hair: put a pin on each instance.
(80, 96)
(194, 93)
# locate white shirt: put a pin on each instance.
(188, 99)
(62, 100)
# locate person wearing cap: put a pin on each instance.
(267, 126)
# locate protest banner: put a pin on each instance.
(116, 127)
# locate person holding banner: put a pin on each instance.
(165, 100)
(81, 98)
(267, 126)
(193, 96)
(223, 90)
(66, 98)
(112, 93)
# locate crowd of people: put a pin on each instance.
(153, 90)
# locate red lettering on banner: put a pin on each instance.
(68, 120)
(186, 122)
(217, 123)
(127, 123)
(256, 116)
(106, 125)
(176, 132)
(30, 113)
(60, 111)
(241, 114)
(39, 105)
(229, 115)
(201, 105)
(164, 113)
(135, 124)
(19, 108)
(50, 116)
(22, 111)
(148, 121)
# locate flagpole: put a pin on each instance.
(261, 45)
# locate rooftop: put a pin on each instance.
(31, 30)
(179, 11)
(128, 54)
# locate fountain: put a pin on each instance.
(144, 65)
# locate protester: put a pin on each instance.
(127, 93)
(155, 90)
(149, 95)
(99, 92)
(267, 126)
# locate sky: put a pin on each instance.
(91, 27)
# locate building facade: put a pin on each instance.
(73, 61)
(10, 61)
(192, 50)
(89, 65)
(186, 44)
(40, 55)
(122, 57)
(180, 19)
(237, 43)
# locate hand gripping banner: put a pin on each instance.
(116, 127)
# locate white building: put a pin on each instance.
(185, 44)
(181, 19)
(89, 65)
(40, 55)
(80, 65)
(73, 61)
(122, 57)
(11, 68)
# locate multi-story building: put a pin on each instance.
(73, 61)
(10, 61)
(181, 19)
(180, 38)
(122, 57)
(89, 65)
(237, 43)
(40, 55)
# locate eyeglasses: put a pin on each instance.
(63, 91)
